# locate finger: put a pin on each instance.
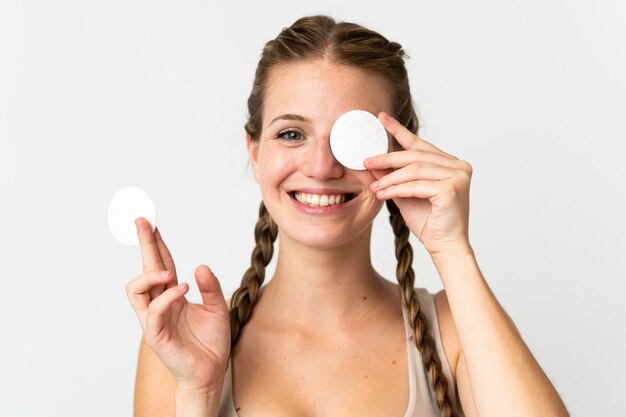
(379, 173)
(150, 257)
(401, 159)
(406, 138)
(413, 172)
(166, 257)
(138, 289)
(159, 309)
(415, 189)
(210, 288)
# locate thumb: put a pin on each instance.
(210, 288)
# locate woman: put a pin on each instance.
(327, 335)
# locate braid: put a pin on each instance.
(421, 336)
(246, 296)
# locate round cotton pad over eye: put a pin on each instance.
(357, 135)
(127, 204)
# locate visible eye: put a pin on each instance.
(290, 135)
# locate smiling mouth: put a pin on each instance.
(321, 200)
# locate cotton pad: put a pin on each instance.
(355, 136)
(127, 204)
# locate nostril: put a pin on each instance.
(322, 164)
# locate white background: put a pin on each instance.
(97, 95)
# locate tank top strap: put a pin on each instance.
(422, 400)
(227, 408)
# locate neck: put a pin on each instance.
(325, 287)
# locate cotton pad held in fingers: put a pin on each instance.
(355, 136)
(127, 204)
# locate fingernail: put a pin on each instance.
(165, 273)
(374, 185)
(367, 161)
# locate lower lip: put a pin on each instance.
(321, 209)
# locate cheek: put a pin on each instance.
(274, 166)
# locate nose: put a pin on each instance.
(320, 163)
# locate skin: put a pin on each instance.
(327, 335)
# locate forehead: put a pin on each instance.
(322, 91)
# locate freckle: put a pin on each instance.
(366, 376)
(284, 358)
(365, 298)
(393, 362)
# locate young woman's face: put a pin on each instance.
(314, 199)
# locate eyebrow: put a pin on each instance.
(290, 116)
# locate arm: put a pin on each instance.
(496, 373)
(154, 386)
(185, 346)
(157, 394)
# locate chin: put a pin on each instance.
(317, 238)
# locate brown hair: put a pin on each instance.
(320, 37)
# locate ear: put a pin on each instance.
(253, 153)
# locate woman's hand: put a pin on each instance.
(192, 340)
(429, 186)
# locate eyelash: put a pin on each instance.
(282, 134)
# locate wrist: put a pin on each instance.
(452, 253)
(456, 267)
(197, 402)
(207, 387)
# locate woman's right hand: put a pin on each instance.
(192, 340)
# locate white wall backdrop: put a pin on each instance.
(96, 95)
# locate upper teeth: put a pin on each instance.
(320, 199)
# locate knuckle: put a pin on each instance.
(449, 188)
(467, 167)
(417, 166)
(132, 285)
(465, 176)
(153, 309)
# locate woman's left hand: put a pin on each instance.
(429, 186)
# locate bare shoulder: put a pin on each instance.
(447, 329)
(154, 385)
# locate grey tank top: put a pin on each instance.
(422, 402)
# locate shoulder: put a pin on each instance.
(447, 330)
(437, 310)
